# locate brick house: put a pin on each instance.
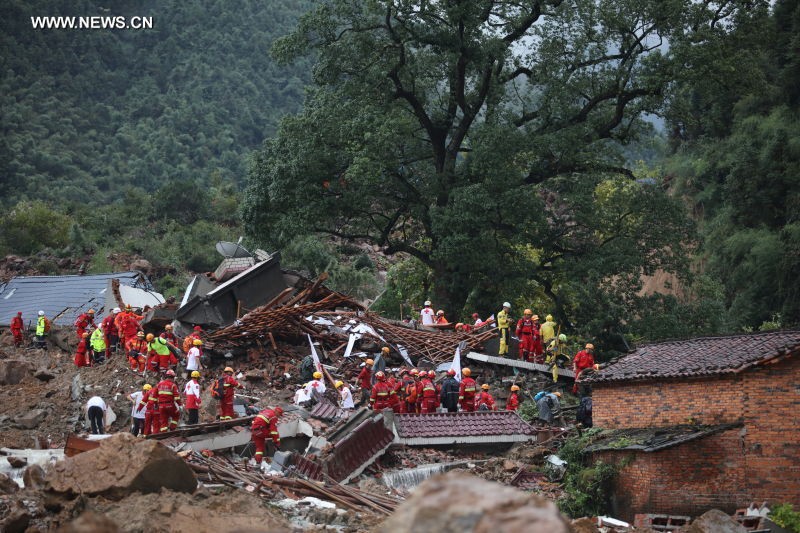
(702, 423)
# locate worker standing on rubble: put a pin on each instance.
(504, 326)
(512, 404)
(96, 412)
(317, 384)
(136, 349)
(169, 335)
(410, 391)
(149, 405)
(379, 399)
(345, 396)
(583, 360)
(129, 324)
(547, 330)
(466, 391)
(81, 354)
(484, 400)
(84, 322)
(192, 393)
(440, 318)
(42, 331)
(426, 316)
(169, 400)
(229, 384)
(557, 355)
(17, 325)
(193, 356)
(394, 398)
(111, 332)
(449, 394)
(98, 342)
(265, 425)
(538, 347)
(379, 364)
(549, 405)
(526, 332)
(158, 348)
(365, 381)
(430, 398)
(138, 410)
(195, 334)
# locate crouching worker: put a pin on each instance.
(265, 426)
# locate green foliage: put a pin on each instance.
(408, 284)
(30, 227)
(529, 411)
(587, 487)
(785, 516)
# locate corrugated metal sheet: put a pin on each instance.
(61, 297)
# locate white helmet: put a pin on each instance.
(117, 310)
(41, 313)
(428, 302)
(506, 304)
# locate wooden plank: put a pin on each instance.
(516, 363)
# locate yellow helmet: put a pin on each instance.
(466, 372)
(514, 388)
(195, 374)
(549, 318)
(197, 342)
(338, 384)
(317, 375)
(370, 362)
(147, 386)
(527, 312)
(150, 337)
(228, 369)
(485, 386)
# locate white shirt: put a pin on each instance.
(193, 359)
(136, 397)
(347, 398)
(96, 401)
(315, 384)
(426, 316)
(478, 322)
(301, 396)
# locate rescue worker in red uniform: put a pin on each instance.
(169, 398)
(265, 426)
(512, 404)
(538, 346)
(82, 353)
(169, 335)
(110, 331)
(83, 323)
(526, 333)
(142, 406)
(188, 342)
(410, 391)
(430, 398)
(129, 325)
(467, 390)
(365, 381)
(226, 402)
(582, 360)
(136, 350)
(484, 400)
(17, 325)
(400, 390)
(394, 398)
(379, 398)
(150, 405)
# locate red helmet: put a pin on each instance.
(380, 376)
(278, 410)
(403, 371)
(475, 315)
(431, 373)
(451, 372)
(19, 313)
(414, 372)
(198, 328)
(171, 373)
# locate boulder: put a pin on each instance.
(459, 502)
(715, 521)
(121, 465)
(31, 419)
(142, 265)
(43, 374)
(17, 462)
(12, 371)
(7, 485)
(33, 477)
(14, 517)
(584, 525)
(76, 389)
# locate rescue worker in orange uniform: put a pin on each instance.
(467, 390)
(430, 397)
(110, 331)
(136, 349)
(365, 380)
(512, 404)
(17, 325)
(128, 324)
(485, 401)
(82, 353)
(264, 426)
(582, 360)
(440, 318)
(379, 398)
(527, 333)
(410, 391)
(170, 336)
(189, 340)
(169, 398)
(226, 402)
(83, 322)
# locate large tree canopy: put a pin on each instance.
(482, 138)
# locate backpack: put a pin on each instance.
(584, 413)
(46, 324)
(218, 389)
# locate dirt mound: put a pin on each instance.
(715, 521)
(462, 503)
(121, 465)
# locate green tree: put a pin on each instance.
(473, 136)
(31, 226)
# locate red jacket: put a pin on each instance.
(168, 392)
(265, 425)
(428, 389)
(379, 399)
(484, 398)
(16, 324)
(228, 385)
(512, 404)
(192, 400)
(84, 321)
(467, 389)
(108, 325)
(526, 326)
(365, 378)
(582, 361)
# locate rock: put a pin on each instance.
(584, 525)
(122, 464)
(715, 521)
(76, 388)
(44, 374)
(90, 522)
(12, 371)
(17, 462)
(461, 502)
(33, 477)
(142, 265)
(7, 485)
(14, 518)
(510, 466)
(31, 419)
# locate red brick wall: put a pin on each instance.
(760, 461)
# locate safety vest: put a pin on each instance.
(40, 326)
(98, 340)
(158, 347)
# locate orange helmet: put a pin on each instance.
(514, 388)
(466, 372)
(414, 372)
(385, 349)
(90, 312)
(150, 337)
(85, 335)
(228, 369)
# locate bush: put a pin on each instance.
(785, 516)
(587, 487)
(32, 226)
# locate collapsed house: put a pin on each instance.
(702, 423)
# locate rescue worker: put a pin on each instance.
(477, 320)
(466, 391)
(504, 325)
(538, 347)
(229, 385)
(512, 404)
(379, 364)
(195, 334)
(527, 333)
(84, 322)
(137, 411)
(426, 316)
(485, 401)
(316, 384)
(394, 399)
(194, 355)
(129, 324)
(547, 330)
(17, 325)
(430, 398)
(42, 331)
(111, 332)
(265, 425)
(410, 391)
(169, 399)
(158, 349)
(440, 318)
(345, 396)
(81, 354)
(169, 335)
(365, 381)
(557, 354)
(149, 404)
(191, 391)
(98, 342)
(583, 360)
(379, 398)
(549, 408)
(449, 394)
(136, 349)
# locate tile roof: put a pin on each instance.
(64, 297)
(652, 439)
(326, 410)
(706, 356)
(479, 426)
